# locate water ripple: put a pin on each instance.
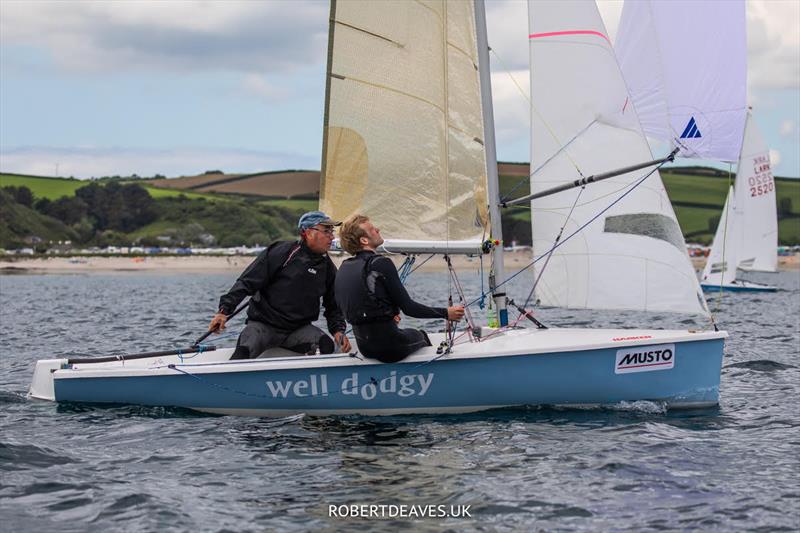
(632, 466)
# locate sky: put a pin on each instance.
(99, 87)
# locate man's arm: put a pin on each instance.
(399, 295)
(255, 276)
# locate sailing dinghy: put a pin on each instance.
(747, 234)
(685, 66)
(408, 140)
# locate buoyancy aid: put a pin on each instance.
(357, 291)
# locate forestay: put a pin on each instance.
(685, 65)
(720, 266)
(633, 256)
(403, 133)
(755, 202)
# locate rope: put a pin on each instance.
(550, 254)
(462, 297)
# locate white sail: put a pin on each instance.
(756, 204)
(403, 137)
(685, 65)
(720, 266)
(632, 256)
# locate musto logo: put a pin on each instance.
(645, 359)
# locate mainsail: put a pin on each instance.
(403, 132)
(757, 231)
(685, 65)
(633, 255)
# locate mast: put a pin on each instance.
(496, 275)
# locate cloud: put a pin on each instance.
(188, 35)
(788, 127)
(512, 114)
(258, 86)
(87, 162)
(774, 158)
(773, 44)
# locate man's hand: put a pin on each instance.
(342, 340)
(218, 323)
(455, 313)
(396, 319)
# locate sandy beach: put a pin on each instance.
(235, 263)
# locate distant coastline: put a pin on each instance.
(236, 263)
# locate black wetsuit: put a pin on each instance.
(369, 292)
(286, 282)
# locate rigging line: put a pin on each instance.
(420, 265)
(550, 253)
(405, 269)
(547, 161)
(535, 110)
(595, 217)
(463, 299)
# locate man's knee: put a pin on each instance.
(254, 339)
(308, 340)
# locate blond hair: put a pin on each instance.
(351, 232)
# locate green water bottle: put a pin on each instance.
(491, 317)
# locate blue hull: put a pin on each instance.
(449, 385)
(739, 288)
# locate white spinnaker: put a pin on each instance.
(403, 123)
(720, 266)
(633, 256)
(756, 204)
(685, 63)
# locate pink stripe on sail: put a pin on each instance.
(570, 32)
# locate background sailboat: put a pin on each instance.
(747, 233)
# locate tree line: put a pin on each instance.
(112, 213)
(115, 206)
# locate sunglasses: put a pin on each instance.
(326, 231)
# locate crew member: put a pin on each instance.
(369, 291)
(286, 282)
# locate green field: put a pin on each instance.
(157, 192)
(50, 188)
(696, 189)
(298, 205)
(54, 188)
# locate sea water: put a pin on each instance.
(635, 466)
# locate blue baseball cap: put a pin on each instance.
(312, 218)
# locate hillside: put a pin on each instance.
(114, 212)
(19, 223)
(283, 184)
(697, 194)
